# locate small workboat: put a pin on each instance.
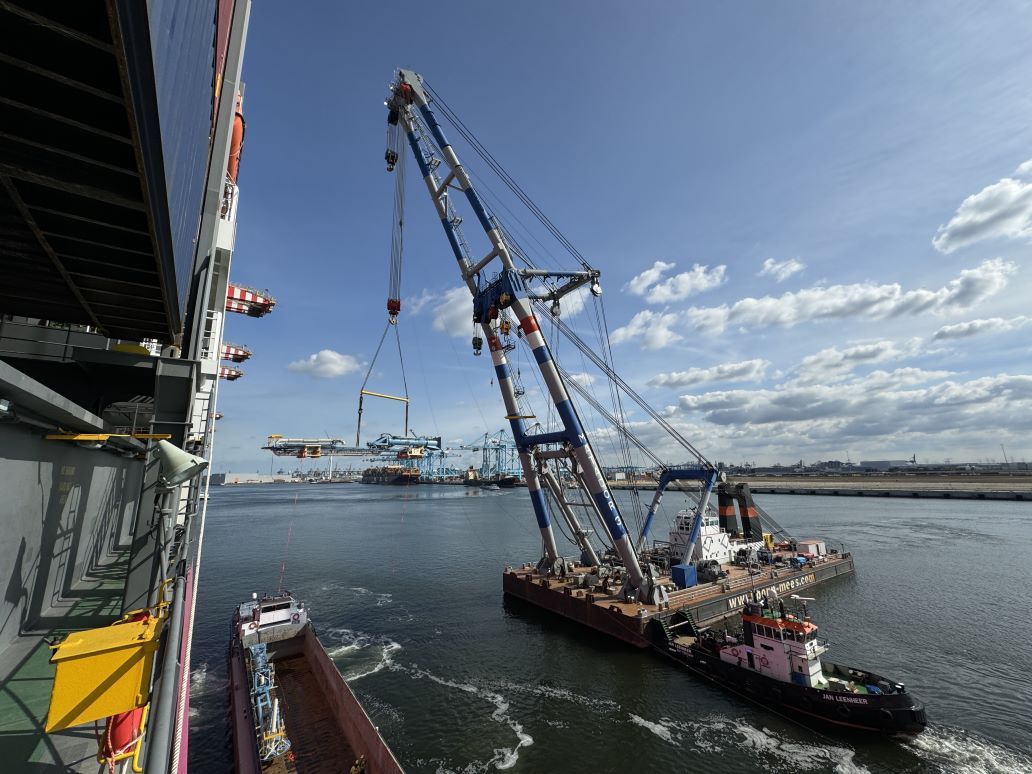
(776, 660)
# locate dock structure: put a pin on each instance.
(942, 487)
(638, 624)
(948, 487)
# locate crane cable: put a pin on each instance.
(397, 227)
(396, 164)
(506, 178)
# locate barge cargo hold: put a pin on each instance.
(632, 622)
(291, 710)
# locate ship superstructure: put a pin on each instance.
(119, 193)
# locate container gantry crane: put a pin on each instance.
(514, 290)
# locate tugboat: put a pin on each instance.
(291, 709)
(775, 661)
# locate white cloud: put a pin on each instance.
(326, 364)
(781, 270)
(583, 379)
(573, 303)
(651, 329)
(863, 299)
(834, 363)
(453, 312)
(1025, 168)
(975, 327)
(1003, 209)
(418, 303)
(687, 283)
(896, 404)
(745, 371)
(641, 282)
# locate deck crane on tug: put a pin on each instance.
(513, 291)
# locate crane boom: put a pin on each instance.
(509, 290)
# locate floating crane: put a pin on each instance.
(505, 298)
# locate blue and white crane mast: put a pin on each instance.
(409, 107)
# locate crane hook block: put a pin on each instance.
(391, 157)
(478, 345)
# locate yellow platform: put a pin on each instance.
(102, 672)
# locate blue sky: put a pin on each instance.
(811, 219)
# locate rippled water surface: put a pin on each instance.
(405, 589)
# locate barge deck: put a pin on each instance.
(708, 603)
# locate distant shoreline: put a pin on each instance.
(974, 486)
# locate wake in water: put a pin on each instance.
(202, 687)
(561, 694)
(956, 751)
(359, 596)
(769, 750)
(504, 757)
(358, 654)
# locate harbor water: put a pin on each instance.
(404, 584)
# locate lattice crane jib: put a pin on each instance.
(509, 294)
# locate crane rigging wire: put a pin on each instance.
(499, 170)
(362, 392)
(395, 163)
(623, 385)
(605, 363)
(397, 236)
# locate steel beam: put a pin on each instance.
(12, 192)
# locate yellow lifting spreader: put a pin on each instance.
(103, 672)
(383, 395)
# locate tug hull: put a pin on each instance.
(890, 714)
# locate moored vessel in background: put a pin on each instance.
(391, 474)
(775, 661)
(291, 709)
